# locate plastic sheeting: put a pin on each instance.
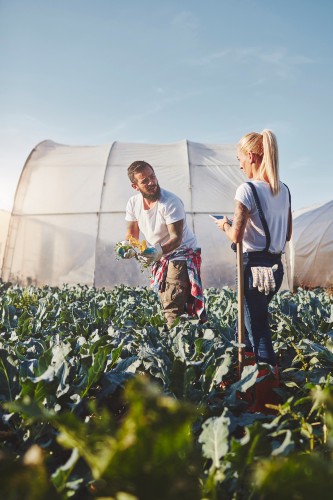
(312, 248)
(69, 210)
(4, 224)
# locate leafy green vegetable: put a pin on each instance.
(123, 407)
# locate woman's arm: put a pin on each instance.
(235, 232)
(290, 225)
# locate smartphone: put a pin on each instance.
(219, 217)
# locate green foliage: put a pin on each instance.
(298, 476)
(124, 409)
(152, 443)
(26, 478)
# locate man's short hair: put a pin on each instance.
(135, 168)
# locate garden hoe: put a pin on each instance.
(240, 280)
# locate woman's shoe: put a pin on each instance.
(264, 392)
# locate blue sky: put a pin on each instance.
(92, 72)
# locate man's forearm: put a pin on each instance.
(175, 236)
(133, 234)
(171, 244)
(132, 230)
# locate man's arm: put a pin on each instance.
(132, 230)
(175, 236)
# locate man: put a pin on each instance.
(173, 252)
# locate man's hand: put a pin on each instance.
(125, 250)
(151, 254)
(263, 278)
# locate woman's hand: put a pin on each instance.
(235, 231)
(223, 223)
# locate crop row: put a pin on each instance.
(98, 399)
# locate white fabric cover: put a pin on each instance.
(4, 224)
(69, 210)
(312, 248)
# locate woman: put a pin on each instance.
(263, 222)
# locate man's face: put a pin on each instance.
(147, 184)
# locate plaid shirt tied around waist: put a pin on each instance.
(193, 261)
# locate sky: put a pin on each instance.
(91, 72)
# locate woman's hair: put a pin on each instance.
(265, 146)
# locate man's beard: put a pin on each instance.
(153, 196)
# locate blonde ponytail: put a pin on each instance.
(265, 146)
(269, 167)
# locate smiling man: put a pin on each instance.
(172, 251)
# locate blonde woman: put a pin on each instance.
(263, 222)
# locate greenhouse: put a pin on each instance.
(69, 210)
(312, 249)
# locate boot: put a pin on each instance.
(249, 359)
(264, 392)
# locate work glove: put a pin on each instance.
(125, 250)
(263, 278)
(151, 254)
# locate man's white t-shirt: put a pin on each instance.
(153, 222)
(276, 211)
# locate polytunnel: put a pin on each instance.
(69, 210)
(312, 249)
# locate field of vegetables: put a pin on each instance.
(98, 400)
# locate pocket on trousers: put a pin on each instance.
(248, 279)
(177, 273)
(250, 283)
(174, 293)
